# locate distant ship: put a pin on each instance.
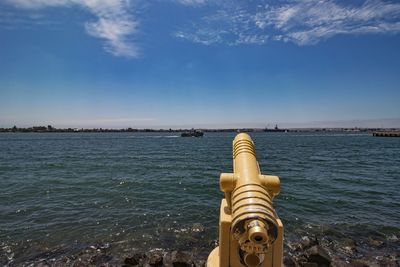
(192, 133)
(276, 129)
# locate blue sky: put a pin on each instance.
(199, 63)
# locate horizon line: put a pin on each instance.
(354, 123)
(47, 128)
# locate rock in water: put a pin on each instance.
(100, 259)
(306, 242)
(135, 259)
(358, 263)
(181, 259)
(318, 255)
(290, 262)
(375, 242)
(155, 260)
(309, 264)
(197, 228)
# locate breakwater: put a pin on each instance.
(386, 134)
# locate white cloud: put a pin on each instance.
(303, 22)
(114, 24)
(235, 22)
(38, 3)
(192, 2)
(230, 25)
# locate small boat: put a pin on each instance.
(192, 133)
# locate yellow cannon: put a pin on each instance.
(250, 232)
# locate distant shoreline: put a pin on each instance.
(50, 129)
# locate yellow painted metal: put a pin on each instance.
(250, 232)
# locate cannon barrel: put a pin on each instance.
(250, 231)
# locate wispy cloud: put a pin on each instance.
(303, 22)
(114, 24)
(231, 22)
(11, 19)
(192, 2)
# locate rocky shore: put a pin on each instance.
(371, 248)
(373, 251)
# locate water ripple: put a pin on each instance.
(150, 189)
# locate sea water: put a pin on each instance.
(61, 192)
